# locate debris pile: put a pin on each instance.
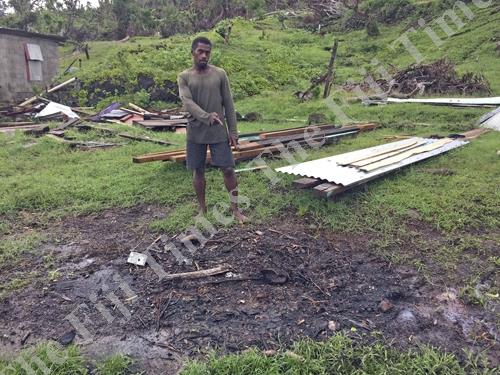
(34, 114)
(438, 77)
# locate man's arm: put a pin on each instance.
(187, 99)
(227, 101)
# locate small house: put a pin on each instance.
(27, 59)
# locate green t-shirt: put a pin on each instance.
(202, 94)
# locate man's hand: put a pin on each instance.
(214, 118)
(233, 140)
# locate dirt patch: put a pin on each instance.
(289, 280)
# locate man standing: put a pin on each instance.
(205, 93)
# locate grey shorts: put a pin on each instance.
(220, 153)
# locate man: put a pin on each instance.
(205, 93)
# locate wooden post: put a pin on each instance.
(329, 74)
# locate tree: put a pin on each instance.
(123, 11)
(3, 7)
(24, 13)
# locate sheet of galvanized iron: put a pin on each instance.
(329, 169)
(457, 101)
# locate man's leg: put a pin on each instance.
(196, 157)
(231, 183)
(222, 157)
(199, 184)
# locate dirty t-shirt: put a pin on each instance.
(201, 94)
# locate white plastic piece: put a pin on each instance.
(138, 259)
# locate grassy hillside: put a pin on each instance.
(261, 57)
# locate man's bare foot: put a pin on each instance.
(240, 218)
(202, 211)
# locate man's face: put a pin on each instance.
(201, 55)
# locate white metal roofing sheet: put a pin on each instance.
(328, 168)
(459, 101)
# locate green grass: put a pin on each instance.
(115, 365)
(12, 246)
(56, 360)
(339, 355)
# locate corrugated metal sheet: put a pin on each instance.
(329, 169)
(491, 120)
(455, 101)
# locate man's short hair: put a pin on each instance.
(198, 40)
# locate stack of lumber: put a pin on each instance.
(268, 143)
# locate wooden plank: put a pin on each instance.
(257, 168)
(405, 155)
(87, 127)
(60, 86)
(302, 130)
(301, 136)
(374, 159)
(133, 112)
(327, 190)
(306, 182)
(14, 128)
(38, 131)
(402, 146)
(57, 133)
(474, 133)
(67, 124)
(145, 139)
(161, 123)
(14, 124)
(197, 274)
(366, 126)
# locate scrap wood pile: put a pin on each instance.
(333, 175)
(169, 119)
(269, 143)
(438, 77)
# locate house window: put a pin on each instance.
(34, 60)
